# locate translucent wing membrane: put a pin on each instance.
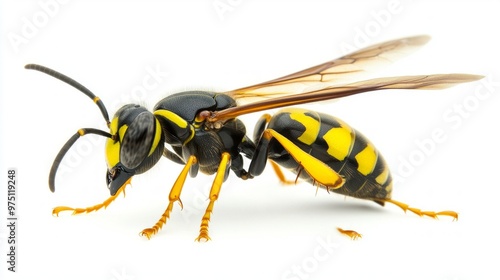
(336, 71)
(438, 81)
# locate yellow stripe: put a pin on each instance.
(382, 178)
(318, 170)
(180, 122)
(113, 126)
(121, 131)
(388, 189)
(112, 147)
(311, 124)
(366, 159)
(191, 135)
(177, 120)
(339, 141)
(157, 138)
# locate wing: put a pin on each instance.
(437, 81)
(334, 71)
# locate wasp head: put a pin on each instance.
(135, 146)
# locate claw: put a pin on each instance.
(351, 233)
(57, 210)
(452, 214)
(203, 237)
(148, 232)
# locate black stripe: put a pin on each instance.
(359, 145)
(379, 167)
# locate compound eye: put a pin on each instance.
(137, 140)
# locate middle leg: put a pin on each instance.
(214, 194)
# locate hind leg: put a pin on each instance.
(421, 213)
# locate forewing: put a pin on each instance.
(437, 81)
(335, 71)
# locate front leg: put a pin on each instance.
(174, 196)
(76, 211)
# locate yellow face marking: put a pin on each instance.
(112, 152)
(366, 159)
(312, 126)
(112, 147)
(340, 141)
(382, 178)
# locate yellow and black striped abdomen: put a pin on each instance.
(338, 145)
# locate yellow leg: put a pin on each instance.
(174, 196)
(351, 233)
(317, 169)
(96, 207)
(280, 174)
(214, 194)
(419, 212)
(285, 181)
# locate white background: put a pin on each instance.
(260, 230)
